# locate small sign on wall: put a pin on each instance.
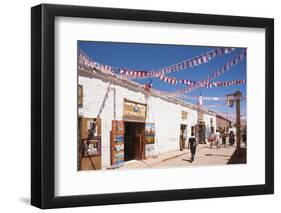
(134, 111)
(89, 144)
(184, 114)
(149, 140)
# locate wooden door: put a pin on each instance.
(117, 143)
(138, 141)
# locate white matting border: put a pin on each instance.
(70, 182)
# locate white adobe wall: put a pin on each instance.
(207, 119)
(94, 91)
(165, 115)
(167, 127)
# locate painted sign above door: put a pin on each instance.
(134, 111)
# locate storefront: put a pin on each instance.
(131, 135)
(223, 124)
(206, 125)
(134, 125)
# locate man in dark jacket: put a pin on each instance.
(192, 147)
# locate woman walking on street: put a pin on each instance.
(223, 139)
(192, 146)
(231, 138)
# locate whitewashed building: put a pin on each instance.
(148, 124)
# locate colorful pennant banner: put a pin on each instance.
(195, 61)
(85, 60)
(168, 79)
(206, 98)
(134, 74)
(224, 83)
(189, 63)
(206, 81)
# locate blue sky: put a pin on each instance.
(155, 56)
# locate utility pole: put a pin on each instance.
(238, 123)
(231, 98)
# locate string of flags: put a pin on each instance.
(168, 79)
(227, 66)
(207, 98)
(224, 83)
(189, 63)
(85, 60)
(206, 82)
(134, 74)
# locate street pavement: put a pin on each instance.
(204, 156)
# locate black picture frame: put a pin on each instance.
(43, 105)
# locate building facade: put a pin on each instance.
(222, 123)
(120, 121)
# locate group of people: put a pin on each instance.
(216, 139)
(219, 139)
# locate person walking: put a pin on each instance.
(223, 139)
(231, 138)
(192, 146)
(244, 137)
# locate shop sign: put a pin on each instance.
(149, 133)
(184, 115)
(134, 111)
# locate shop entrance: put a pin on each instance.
(134, 141)
(183, 136)
(202, 134)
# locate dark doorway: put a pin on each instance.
(183, 135)
(134, 141)
(201, 132)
